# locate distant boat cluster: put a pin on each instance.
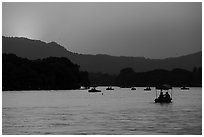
(162, 98)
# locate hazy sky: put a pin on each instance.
(152, 30)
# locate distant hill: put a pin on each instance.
(35, 49)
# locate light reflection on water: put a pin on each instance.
(121, 111)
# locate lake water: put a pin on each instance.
(121, 111)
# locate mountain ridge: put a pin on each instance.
(36, 49)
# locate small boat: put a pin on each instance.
(163, 98)
(109, 88)
(133, 88)
(147, 89)
(94, 90)
(184, 88)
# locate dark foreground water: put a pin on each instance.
(121, 111)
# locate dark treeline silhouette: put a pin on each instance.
(128, 78)
(58, 73)
(177, 77)
(42, 74)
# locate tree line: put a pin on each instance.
(129, 78)
(59, 73)
(42, 74)
(176, 77)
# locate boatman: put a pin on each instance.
(161, 96)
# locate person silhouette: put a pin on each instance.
(161, 96)
(167, 96)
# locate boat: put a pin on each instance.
(133, 88)
(109, 88)
(163, 98)
(94, 90)
(184, 88)
(147, 89)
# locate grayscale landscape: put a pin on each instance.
(102, 68)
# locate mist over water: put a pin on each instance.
(120, 111)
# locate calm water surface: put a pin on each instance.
(121, 111)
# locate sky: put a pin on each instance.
(152, 30)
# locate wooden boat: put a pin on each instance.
(133, 88)
(147, 89)
(184, 88)
(163, 98)
(94, 90)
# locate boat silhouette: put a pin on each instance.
(184, 87)
(163, 98)
(133, 88)
(94, 90)
(147, 88)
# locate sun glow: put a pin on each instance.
(25, 26)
